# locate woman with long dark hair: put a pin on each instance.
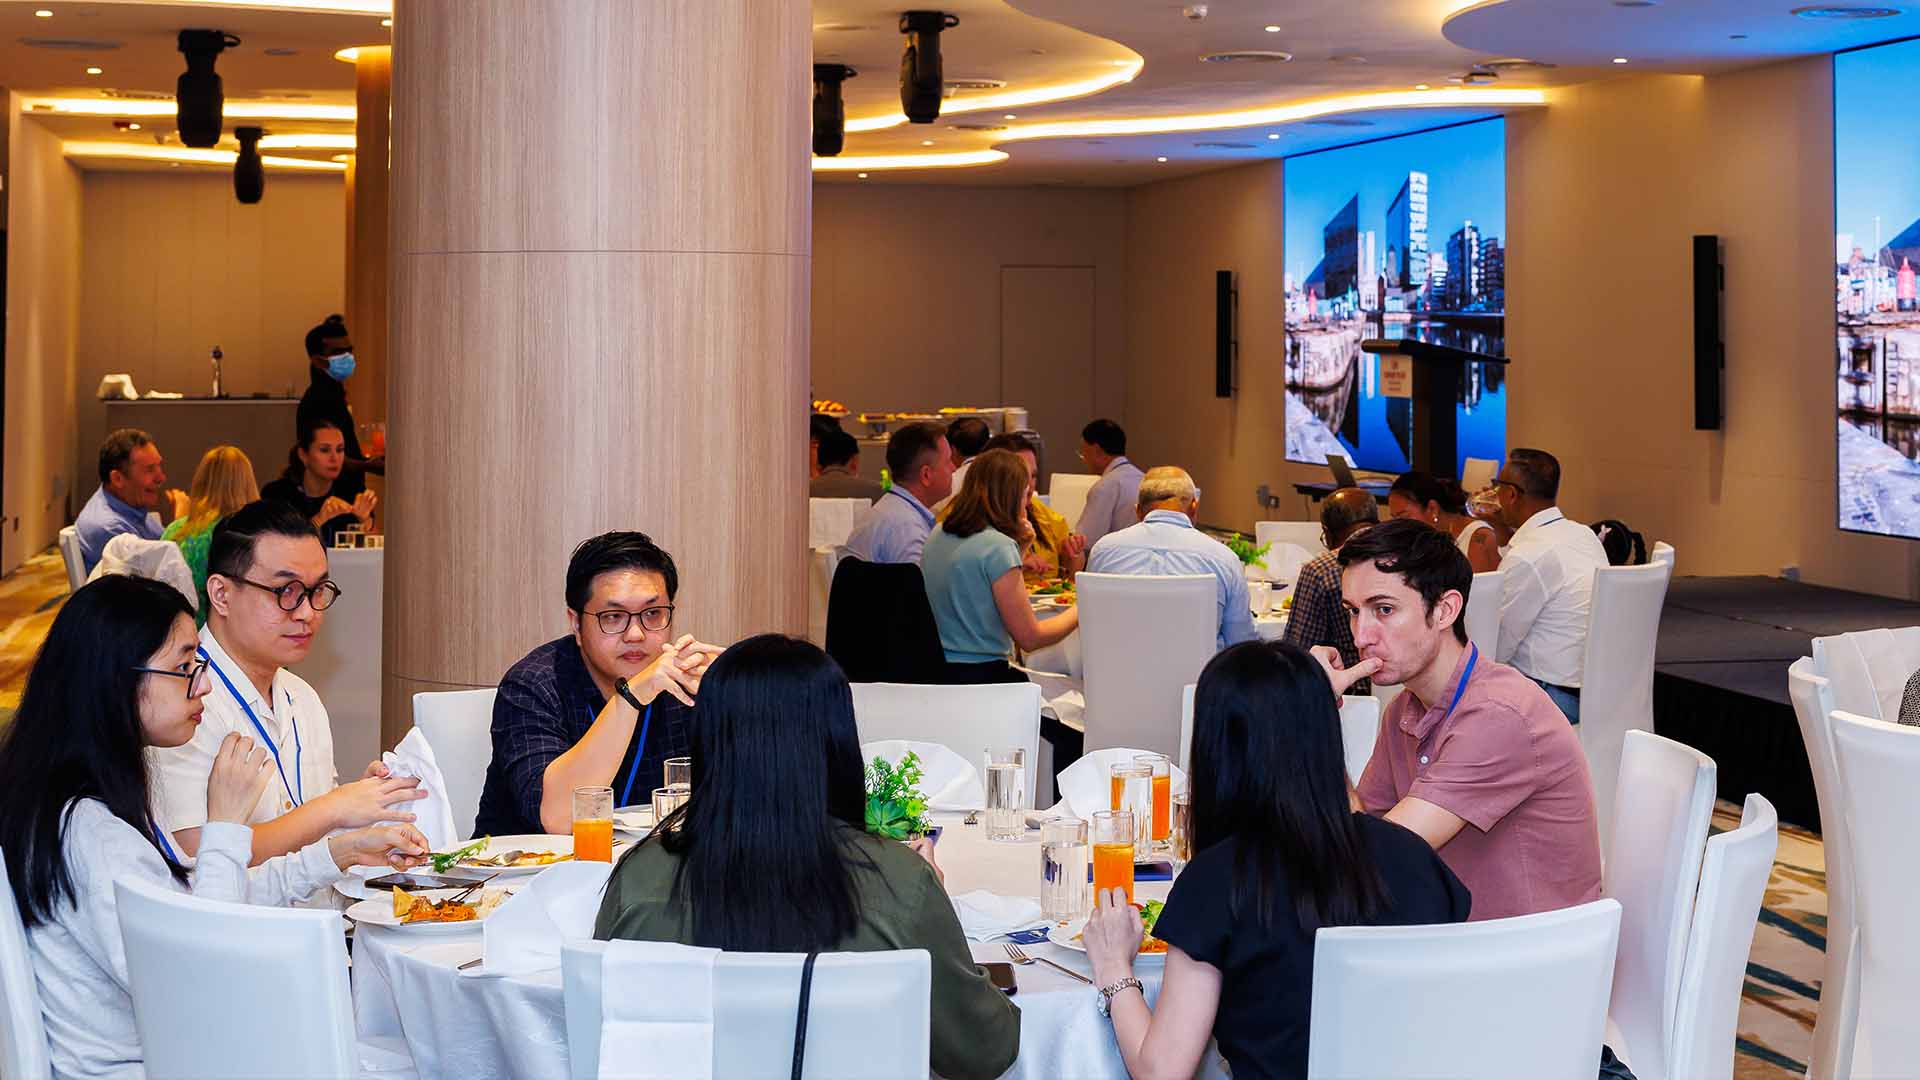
(317, 483)
(116, 675)
(1281, 849)
(770, 853)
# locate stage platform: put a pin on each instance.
(1720, 676)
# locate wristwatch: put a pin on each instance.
(1105, 1004)
(620, 687)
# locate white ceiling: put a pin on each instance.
(1340, 48)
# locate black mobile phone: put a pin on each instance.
(1002, 976)
(417, 882)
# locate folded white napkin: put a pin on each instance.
(523, 934)
(646, 1033)
(433, 814)
(984, 915)
(950, 781)
(1086, 785)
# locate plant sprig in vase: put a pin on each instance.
(896, 807)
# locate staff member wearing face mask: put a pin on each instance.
(330, 364)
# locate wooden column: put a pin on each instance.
(601, 240)
(367, 279)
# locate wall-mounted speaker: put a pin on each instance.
(1709, 347)
(1224, 345)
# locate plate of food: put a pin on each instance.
(509, 856)
(433, 911)
(1152, 949)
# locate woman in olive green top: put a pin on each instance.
(770, 853)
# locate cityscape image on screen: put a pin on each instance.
(1876, 156)
(1399, 238)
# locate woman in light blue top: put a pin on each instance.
(972, 569)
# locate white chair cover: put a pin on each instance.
(1359, 731)
(1292, 544)
(1483, 613)
(458, 724)
(964, 719)
(949, 781)
(1544, 976)
(1662, 552)
(1616, 694)
(1868, 669)
(1143, 637)
(1185, 760)
(1733, 882)
(1840, 979)
(1477, 473)
(821, 563)
(220, 990)
(23, 1034)
(831, 521)
(155, 560)
(1879, 762)
(754, 1000)
(1664, 806)
(1067, 495)
(75, 560)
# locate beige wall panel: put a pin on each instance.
(368, 220)
(574, 125)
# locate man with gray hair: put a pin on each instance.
(1319, 615)
(1166, 542)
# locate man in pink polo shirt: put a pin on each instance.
(1473, 756)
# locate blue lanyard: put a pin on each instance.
(1472, 659)
(299, 799)
(161, 839)
(633, 770)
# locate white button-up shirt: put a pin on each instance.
(894, 531)
(1165, 542)
(296, 727)
(1112, 501)
(1547, 597)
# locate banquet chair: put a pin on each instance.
(219, 989)
(1505, 999)
(1143, 637)
(821, 564)
(23, 1034)
(71, 555)
(1813, 707)
(1878, 764)
(1733, 882)
(1616, 693)
(880, 626)
(1068, 495)
(1483, 612)
(1476, 473)
(755, 999)
(1359, 731)
(964, 719)
(1664, 806)
(831, 521)
(1867, 670)
(1662, 552)
(1185, 760)
(1292, 544)
(458, 725)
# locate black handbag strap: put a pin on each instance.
(800, 1018)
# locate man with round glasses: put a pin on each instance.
(267, 594)
(604, 706)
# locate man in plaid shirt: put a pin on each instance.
(1318, 616)
(604, 706)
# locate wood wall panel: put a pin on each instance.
(368, 222)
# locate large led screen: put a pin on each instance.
(1876, 249)
(1398, 238)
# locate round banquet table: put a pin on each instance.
(472, 1024)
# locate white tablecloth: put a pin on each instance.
(471, 1025)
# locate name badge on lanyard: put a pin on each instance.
(297, 787)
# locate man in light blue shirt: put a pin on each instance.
(1165, 542)
(1111, 500)
(133, 485)
(896, 529)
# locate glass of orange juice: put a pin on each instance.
(1162, 794)
(593, 824)
(1113, 851)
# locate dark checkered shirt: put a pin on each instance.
(1319, 617)
(547, 702)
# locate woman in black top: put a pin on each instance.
(1281, 850)
(313, 484)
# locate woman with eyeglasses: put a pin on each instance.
(119, 674)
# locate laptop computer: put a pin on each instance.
(1342, 472)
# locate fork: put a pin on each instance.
(1019, 956)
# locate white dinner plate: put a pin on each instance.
(378, 911)
(531, 842)
(1066, 936)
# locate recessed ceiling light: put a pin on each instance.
(1619, 59)
(133, 127)
(43, 13)
(1845, 11)
(173, 164)
(1159, 159)
(1271, 29)
(1008, 116)
(926, 142)
(386, 22)
(94, 71)
(1420, 86)
(1273, 135)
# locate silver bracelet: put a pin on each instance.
(1105, 1005)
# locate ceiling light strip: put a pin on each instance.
(122, 151)
(958, 159)
(138, 107)
(1279, 114)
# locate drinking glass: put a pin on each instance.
(1182, 836)
(593, 824)
(1063, 869)
(345, 539)
(1113, 851)
(1006, 793)
(1133, 793)
(666, 801)
(1484, 503)
(678, 774)
(1162, 792)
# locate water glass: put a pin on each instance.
(1064, 857)
(1182, 835)
(678, 774)
(1113, 851)
(1162, 793)
(1006, 793)
(593, 824)
(666, 801)
(1133, 793)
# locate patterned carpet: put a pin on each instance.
(1783, 970)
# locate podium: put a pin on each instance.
(1428, 373)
